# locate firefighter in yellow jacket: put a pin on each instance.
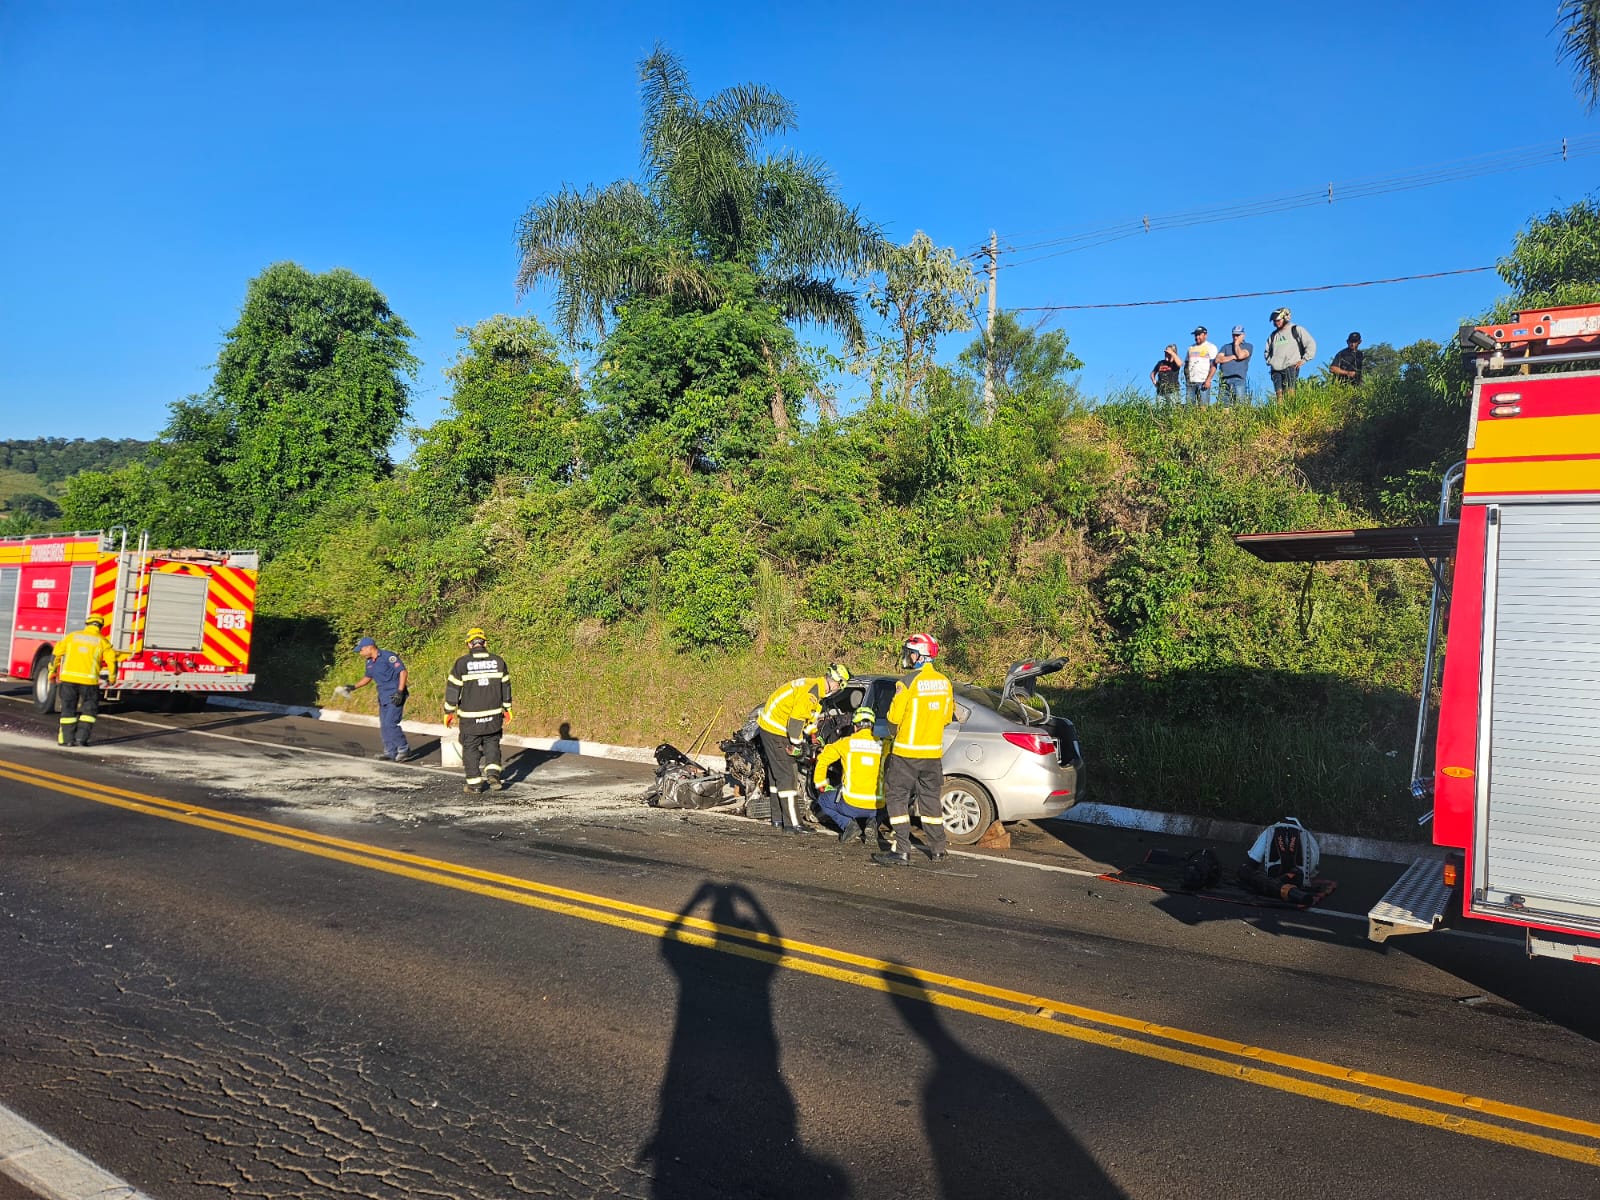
(922, 706)
(782, 724)
(82, 660)
(853, 805)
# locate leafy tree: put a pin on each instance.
(515, 412)
(31, 504)
(309, 394)
(1556, 259)
(709, 194)
(1025, 360)
(682, 388)
(1580, 45)
(926, 292)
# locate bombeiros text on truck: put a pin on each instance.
(180, 620)
(1515, 777)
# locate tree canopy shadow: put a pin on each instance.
(727, 1124)
(990, 1134)
(290, 656)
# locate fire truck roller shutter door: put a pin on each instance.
(176, 613)
(1539, 824)
(79, 590)
(9, 577)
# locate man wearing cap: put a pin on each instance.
(1200, 366)
(478, 694)
(1235, 361)
(81, 661)
(1346, 364)
(1289, 347)
(389, 674)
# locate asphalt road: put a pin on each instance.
(238, 958)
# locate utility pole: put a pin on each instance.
(988, 329)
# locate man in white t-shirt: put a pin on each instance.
(1200, 366)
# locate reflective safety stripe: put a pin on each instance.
(486, 712)
(933, 820)
(89, 717)
(905, 820)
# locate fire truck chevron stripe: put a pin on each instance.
(232, 590)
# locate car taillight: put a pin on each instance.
(1034, 743)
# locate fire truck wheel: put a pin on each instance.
(45, 699)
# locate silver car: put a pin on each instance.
(1007, 757)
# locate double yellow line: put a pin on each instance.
(1380, 1095)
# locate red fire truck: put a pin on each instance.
(180, 620)
(1515, 778)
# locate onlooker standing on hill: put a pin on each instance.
(1289, 348)
(1201, 367)
(1346, 364)
(1166, 373)
(1235, 362)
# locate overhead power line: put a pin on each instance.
(1323, 287)
(1498, 162)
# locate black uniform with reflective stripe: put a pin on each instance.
(478, 691)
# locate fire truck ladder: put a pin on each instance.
(132, 568)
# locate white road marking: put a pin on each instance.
(48, 1166)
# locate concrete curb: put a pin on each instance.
(1177, 824)
(635, 754)
(1213, 829)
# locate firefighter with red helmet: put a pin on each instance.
(477, 692)
(782, 724)
(82, 660)
(922, 706)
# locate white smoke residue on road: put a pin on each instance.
(339, 789)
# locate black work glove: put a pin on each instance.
(399, 698)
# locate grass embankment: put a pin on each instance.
(1202, 681)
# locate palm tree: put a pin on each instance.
(1579, 22)
(708, 194)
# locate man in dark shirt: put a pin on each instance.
(1346, 364)
(1166, 373)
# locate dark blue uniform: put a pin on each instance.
(384, 671)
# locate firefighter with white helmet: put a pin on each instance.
(82, 660)
(477, 693)
(853, 805)
(922, 706)
(783, 722)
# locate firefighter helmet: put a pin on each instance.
(924, 644)
(864, 716)
(97, 622)
(838, 673)
(476, 635)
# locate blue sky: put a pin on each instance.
(159, 155)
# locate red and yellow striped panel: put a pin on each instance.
(1536, 436)
(103, 597)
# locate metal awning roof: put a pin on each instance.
(1334, 545)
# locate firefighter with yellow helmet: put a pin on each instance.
(923, 704)
(477, 693)
(783, 722)
(853, 805)
(82, 660)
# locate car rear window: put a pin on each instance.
(1011, 709)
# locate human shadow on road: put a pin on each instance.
(727, 1125)
(989, 1133)
(524, 763)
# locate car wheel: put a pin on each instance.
(968, 810)
(45, 697)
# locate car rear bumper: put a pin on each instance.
(1036, 786)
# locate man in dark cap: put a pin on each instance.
(1346, 364)
(388, 673)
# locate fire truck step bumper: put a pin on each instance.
(1415, 904)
